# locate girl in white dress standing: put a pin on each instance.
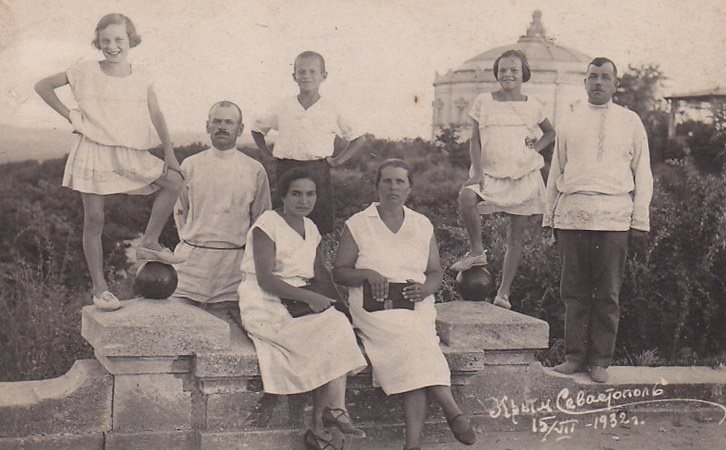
(118, 119)
(509, 131)
(390, 243)
(314, 352)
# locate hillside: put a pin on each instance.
(41, 144)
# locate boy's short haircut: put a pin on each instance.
(226, 104)
(117, 18)
(601, 61)
(310, 54)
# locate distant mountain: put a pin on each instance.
(20, 144)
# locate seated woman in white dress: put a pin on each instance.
(384, 248)
(312, 352)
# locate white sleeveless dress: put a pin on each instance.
(295, 354)
(402, 345)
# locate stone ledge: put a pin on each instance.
(55, 442)
(153, 328)
(77, 402)
(487, 327)
(173, 440)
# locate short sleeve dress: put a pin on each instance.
(114, 130)
(402, 344)
(295, 354)
(510, 169)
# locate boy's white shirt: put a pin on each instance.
(305, 134)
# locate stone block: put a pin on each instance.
(464, 360)
(234, 410)
(151, 402)
(153, 328)
(78, 402)
(176, 440)
(54, 442)
(239, 360)
(135, 365)
(484, 326)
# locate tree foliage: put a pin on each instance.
(640, 91)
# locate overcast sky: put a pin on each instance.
(382, 55)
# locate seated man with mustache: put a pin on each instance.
(225, 192)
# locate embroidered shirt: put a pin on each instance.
(600, 177)
(305, 134)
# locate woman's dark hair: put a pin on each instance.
(395, 162)
(297, 173)
(526, 73)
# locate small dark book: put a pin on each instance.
(395, 299)
(296, 308)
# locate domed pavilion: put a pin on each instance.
(557, 79)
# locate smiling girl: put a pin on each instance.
(509, 131)
(117, 120)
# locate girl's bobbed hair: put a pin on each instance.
(117, 18)
(526, 73)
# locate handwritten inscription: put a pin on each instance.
(559, 418)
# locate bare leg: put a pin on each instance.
(171, 184)
(513, 254)
(93, 220)
(468, 201)
(331, 395)
(414, 409)
(445, 399)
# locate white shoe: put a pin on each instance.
(469, 261)
(163, 255)
(107, 301)
(502, 302)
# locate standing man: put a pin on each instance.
(598, 193)
(225, 192)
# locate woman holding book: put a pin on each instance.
(303, 344)
(389, 259)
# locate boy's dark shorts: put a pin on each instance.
(324, 212)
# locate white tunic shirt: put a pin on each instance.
(305, 134)
(225, 192)
(600, 177)
(114, 110)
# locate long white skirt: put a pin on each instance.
(522, 196)
(297, 354)
(402, 345)
(95, 168)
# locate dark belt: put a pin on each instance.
(213, 248)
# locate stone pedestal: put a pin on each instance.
(149, 346)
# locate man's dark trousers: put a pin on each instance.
(593, 265)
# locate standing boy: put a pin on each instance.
(307, 125)
(598, 193)
(225, 192)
